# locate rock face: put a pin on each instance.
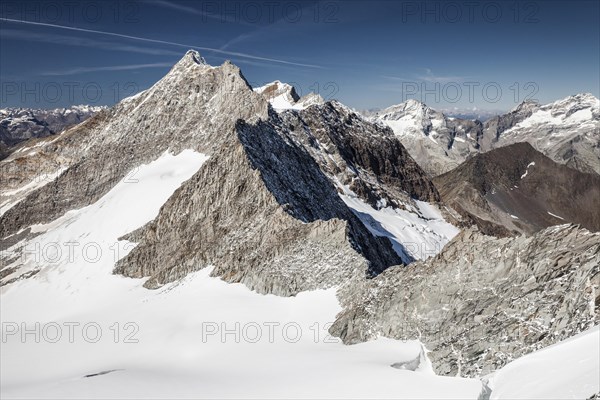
(363, 156)
(195, 106)
(260, 210)
(520, 189)
(567, 131)
(494, 127)
(20, 124)
(482, 301)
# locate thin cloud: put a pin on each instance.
(431, 77)
(279, 25)
(195, 11)
(238, 39)
(395, 78)
(427, 77)
(82, 42)
(82, 70)
(189, 46)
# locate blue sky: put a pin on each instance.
(491, 55)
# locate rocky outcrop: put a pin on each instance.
(520, 189)
(482, 301)
(364, 156)
(195, 106)
(262, 213)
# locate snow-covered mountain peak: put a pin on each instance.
(411, 108)
(283, 96)
(310, 99)
(570, 111)
(409, 104)
(574, 103)
(413, 104)
(279, 94)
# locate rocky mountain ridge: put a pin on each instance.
(519, 189)
(567, 131)
(266, 244)
(483, 301)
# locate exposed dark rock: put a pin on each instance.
(520, 189)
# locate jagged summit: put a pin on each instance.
(194, 106)
(194, 55)
(283, 96)
(526, 105)
(261, 210)
(190, 61)
(397, 111)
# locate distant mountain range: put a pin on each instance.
(20, 124)
(567, 131)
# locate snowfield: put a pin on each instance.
(568, 370)
(75, 330)
(416, 234)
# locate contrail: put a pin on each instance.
(80, 70)
(189, 46)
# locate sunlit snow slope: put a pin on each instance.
(568, 370)
(102, 335)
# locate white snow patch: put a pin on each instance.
(527, 169)
(421, 233)
(555, 216)
(567, 370)
(403, 126)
